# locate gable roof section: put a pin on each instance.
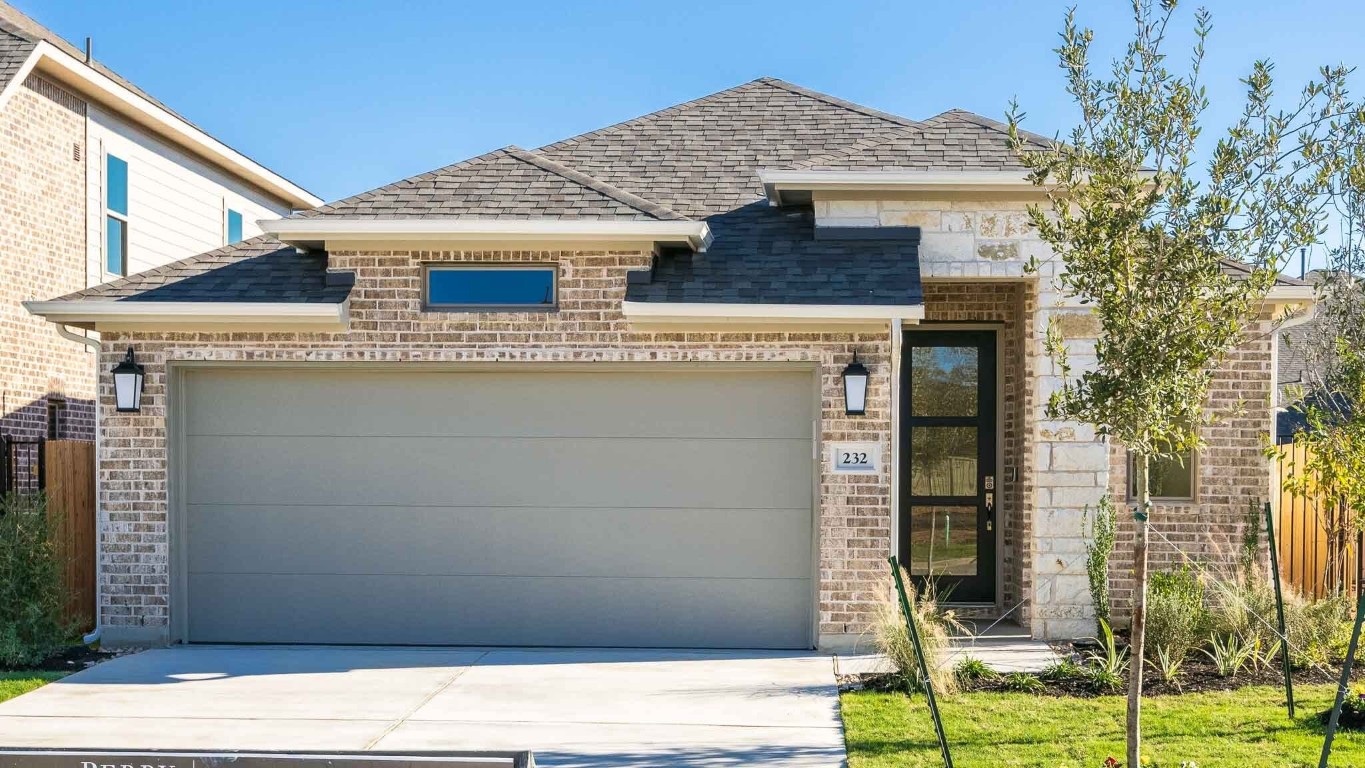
(508, 183)
(701, 158)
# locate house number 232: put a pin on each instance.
(856, 458)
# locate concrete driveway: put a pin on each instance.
(571, 707)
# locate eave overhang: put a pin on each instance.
(52, 62)
(194, 315)
(334, 232)
(800, 185)
(837, 316)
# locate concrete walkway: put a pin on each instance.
(570, 707)
(1003, 647)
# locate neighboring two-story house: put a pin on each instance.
(683, 381)
(98, 180)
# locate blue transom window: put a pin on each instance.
(487, 287)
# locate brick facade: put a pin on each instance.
(43, 244)
(973, 267)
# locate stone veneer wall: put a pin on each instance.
(42, 240)
(388, 325)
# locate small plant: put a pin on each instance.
(1022, 682)
(1352, 711)
(1229, 653)
(1107, 666)
(1168, 666)
(1062, 671)
(971, 670)
(1097, 553)
(935, 625)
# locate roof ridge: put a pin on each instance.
(630, 199)
(838, 102)
(993, 124)
(648, 115)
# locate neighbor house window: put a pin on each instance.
(54, 418)
(1168, 478)
(234, 226)
(115, 215)
(503, 287)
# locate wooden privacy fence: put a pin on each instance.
(1317, 551)
(65, 471)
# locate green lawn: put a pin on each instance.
(1240, 728)
(15, 683)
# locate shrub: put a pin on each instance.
(1176, 617)
(971, 670)
(1097, 554)
(31, 594)
(1022, 682)
(1246, 609)
(935, 625)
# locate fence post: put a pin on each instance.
(1279, 609)
(1345, 683)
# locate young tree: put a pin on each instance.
(1145, 241)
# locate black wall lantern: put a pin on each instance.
(128, 379)
(855, 388)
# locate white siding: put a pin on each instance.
(177, 205)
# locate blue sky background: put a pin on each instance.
(346, 95)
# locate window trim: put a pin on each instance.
(56, 408)
(551, 267)
(110, 213)
(1192, 466)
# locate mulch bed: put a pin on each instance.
(1197, 674)
(70, 659)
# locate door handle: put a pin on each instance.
(990, 503)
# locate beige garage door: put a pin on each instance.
(610, 507)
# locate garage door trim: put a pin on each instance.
(177, 523)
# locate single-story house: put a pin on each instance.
(611, 392)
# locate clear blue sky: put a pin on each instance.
(345, 95)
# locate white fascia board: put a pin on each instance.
(775, 181)
(661, 312)
(334, 229)
(1286, 294)
(61, 66)
(171, 314)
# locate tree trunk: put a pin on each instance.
(1138, 629)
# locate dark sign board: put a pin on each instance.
(76, 758)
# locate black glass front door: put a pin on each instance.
(949, 494)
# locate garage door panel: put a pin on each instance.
(753, 543)
(341, 402)
(701, 613)
(499, 471)
(617, 506)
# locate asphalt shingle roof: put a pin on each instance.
(767, 256)
(260, 269)
(14, 51)
(697, 160)
(955, 140)
(508, 183)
